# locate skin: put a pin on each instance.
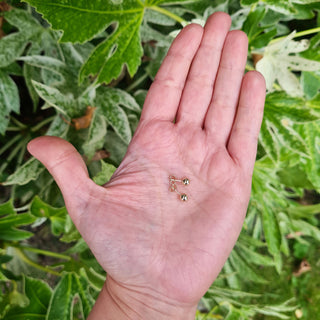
(201, 120)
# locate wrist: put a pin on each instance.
(117, 302)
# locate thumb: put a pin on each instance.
(67, 168)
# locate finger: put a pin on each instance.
(199, 85)
(225, 97)
(165, 93)
(243, 140)
(67, 168)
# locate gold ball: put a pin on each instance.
(186, 181)
(184, 197)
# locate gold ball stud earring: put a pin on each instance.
(173, 186)
(183, 197)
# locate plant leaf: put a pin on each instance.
(13, 45)
(7, 208)
(9, 224)
(9, 99)
(26, 173)
(61, 304)
(123, 46)
(243, 269)
(105, 174)
(278, 134)
(47, 63)
(285, 50)
(83, 20)
(311, 134)
(96, 136)
(57, 216)
(39, 294)
(108, 103)
(64, 104)
(310, 82)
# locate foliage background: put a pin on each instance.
(58, 59)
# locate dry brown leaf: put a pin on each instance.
(101, 154)
(303, 267)
(84, 121)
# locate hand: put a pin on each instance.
(200, 120)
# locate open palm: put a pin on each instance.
(200, 120)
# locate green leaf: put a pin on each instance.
(306, 228)
(62, 298)
(271, 231)
(289, 8)
(24, 21)
(123, 46)
(7, 208)
(248, 2)
(243, 269)
(96, 136)
(285, 50)
(58, 127)
(251, 25)
(64, 104)
(231, 293)
(13, 69)
(269, 198)
(116, 146)
(105, 174)
(61, 305)
(26, 173)
(38, 294)
(9, 99)
(121, 98)
(310, 83)
(13, 45)
(313, 52)
(311, 135)
(158, 18)
(294, 177)
(32, 73)
(57, 216)
(108, 103)
(252, 256)
(157, 2)
(47, 63)
(278, 135)
(9, 224)
(83, 20)
(97, 280)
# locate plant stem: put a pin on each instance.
(299, 34)
(44, 252)
(9, 144)
(253, 7)
(22, 153)
(24, 258)
(13, 129)
(18, 123)
(137, 82)
(13, 153)
(169, 14)
(42, 123)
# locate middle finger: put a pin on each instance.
(198, 89)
